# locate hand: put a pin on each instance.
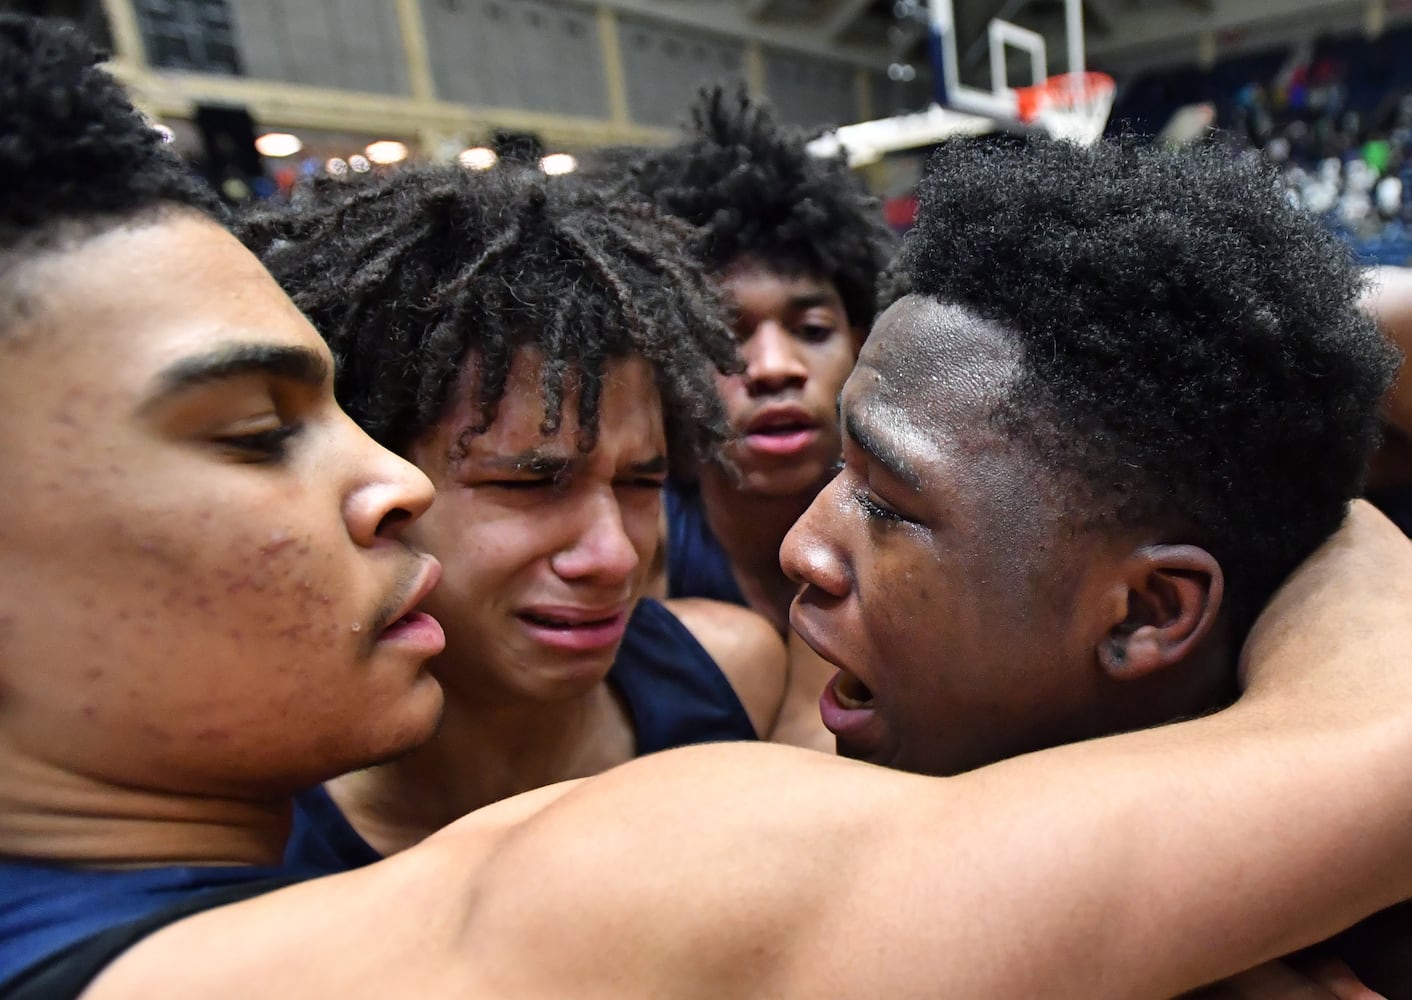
(1324, 979)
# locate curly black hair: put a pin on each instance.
(1192, 347)
(754, 190)
(407, 277)
(77, 158)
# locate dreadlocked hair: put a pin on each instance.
(77, 158)
(752, 188)
(1192, 350)
(411, 276)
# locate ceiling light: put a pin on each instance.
(558, 163)
(478, 158)
(277, 144)
(386, 151)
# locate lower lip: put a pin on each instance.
(782, 444)
(419, 631)
(587, 638)
(841, 721)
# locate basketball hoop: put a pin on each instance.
(1072, 106)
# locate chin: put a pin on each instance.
(785, 481)
(421, 712)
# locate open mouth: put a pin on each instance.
(785, 433)
(548, 621)
(779, 422)
(851, 693)
(415, 628)
(782, 429)
(578, 630)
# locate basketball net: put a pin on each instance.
(1070, 106)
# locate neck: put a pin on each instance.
(483, 753)
(751, 527)
(53, 815)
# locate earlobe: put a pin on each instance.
(1173, 600)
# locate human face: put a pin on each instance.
(962, 612)
(798, 348)
(546, 549)
(202, 585)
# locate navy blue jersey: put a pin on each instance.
(675, 696)
(60, 925)
(697, 566)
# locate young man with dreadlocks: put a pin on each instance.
(797, 247)
(206, 604)
(539, 351)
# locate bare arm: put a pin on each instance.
(1137, 866)
(1389, 300)
(1141, 865)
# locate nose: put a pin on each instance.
(601, 551)
(810, 555)
(390, 494)
(772, 360)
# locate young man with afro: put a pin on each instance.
(540, 352)
(1132, 389)
(798, 249)
(207, 603)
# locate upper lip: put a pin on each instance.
(780, 415)
(576, 614)
(423, 584)
(799, 621)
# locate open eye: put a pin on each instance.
(816, 333)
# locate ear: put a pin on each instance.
(1173, 599)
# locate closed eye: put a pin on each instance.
(521, 484)
(261, 446)
(876, 510)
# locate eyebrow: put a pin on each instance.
(812, 300)
(295, 364)
(536, 462)
(881, 451)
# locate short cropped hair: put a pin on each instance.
(1192, 345)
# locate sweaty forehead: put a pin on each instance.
(939, 357)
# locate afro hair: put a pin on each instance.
(752, 188)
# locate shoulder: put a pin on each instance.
(746, 647)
